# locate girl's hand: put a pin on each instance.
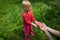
(34, 25)
(39, 24)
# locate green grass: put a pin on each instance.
(11, 20)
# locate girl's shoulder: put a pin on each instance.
(31, 12)
(23, 14)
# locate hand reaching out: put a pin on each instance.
(42, 26)
(34, 25)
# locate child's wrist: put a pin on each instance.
(37, 25)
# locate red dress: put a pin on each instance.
(27, 20)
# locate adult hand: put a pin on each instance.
(42, 26)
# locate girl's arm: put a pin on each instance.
(34, 25)
(27, 20)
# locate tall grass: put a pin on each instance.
(11, 20)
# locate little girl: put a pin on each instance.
(28, 19)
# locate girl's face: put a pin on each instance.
(27, 7)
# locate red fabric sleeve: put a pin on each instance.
(32, 16)
(26, 19)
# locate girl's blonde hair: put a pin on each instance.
(24, 3)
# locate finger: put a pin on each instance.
(44, 25)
